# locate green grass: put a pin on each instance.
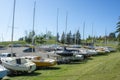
(9, 42)
(103, 67)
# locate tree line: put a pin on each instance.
(67, 38)
(71, 38)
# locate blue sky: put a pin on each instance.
(99, 13)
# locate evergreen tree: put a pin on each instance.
(63, 38)
(118, 31)
(78, 37)
(74, 38)
(112, 36)
(21, 39)
(57, 37)
(68, 38)
(89, 38)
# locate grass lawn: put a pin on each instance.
(102, 67)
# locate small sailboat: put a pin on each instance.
(3, 71)
(66, 55)
(18, 64)
(41, 62)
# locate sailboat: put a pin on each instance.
(64, 55)
(38, 60)
(41, 62)
(17, 64)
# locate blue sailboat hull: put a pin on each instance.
(3, 71)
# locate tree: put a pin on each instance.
(118, 31)
(40, 39)
(78, 37)
(63, 38)
(74, 38)
(28, 40)
(21, 39)
(89, 38)
(112, 36)
(29, 37)
(68, 38)
(57, 37)
(48, 35)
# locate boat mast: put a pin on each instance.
(33, 32)
(66, 27)
(83, 31)
(57, 26)
(2, 38)
(33, 21)
(105, 36)
(75, 37)
(92, 35)
(13, 25)
(34, 15)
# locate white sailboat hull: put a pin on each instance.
(22, 64)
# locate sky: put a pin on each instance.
(100, 14)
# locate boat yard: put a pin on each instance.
(19, 53)
(63, 44)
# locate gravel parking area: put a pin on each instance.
(19, 52)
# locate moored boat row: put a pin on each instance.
(28, 64)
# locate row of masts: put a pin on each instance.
(34, 9)
(13, 22)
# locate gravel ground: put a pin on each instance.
(19, 52)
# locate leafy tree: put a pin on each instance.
(29, 37)
(28, 40)
(40, 39)
(48, 35)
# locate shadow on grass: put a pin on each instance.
(25, 74)
(101, 54)
(48, 68)
(78, 62)
(86, 60)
